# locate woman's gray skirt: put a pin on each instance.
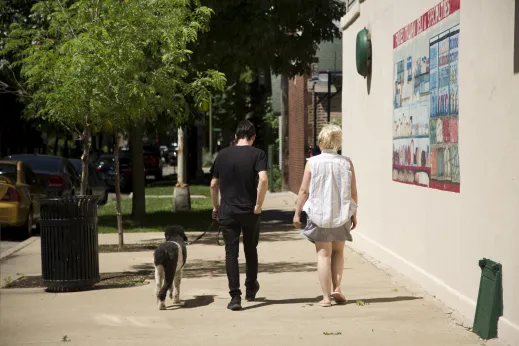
(314, 233)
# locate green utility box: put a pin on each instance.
(363, 53)
(490, 299)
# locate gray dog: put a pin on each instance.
(169, 259)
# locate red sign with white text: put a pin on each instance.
(430, 18)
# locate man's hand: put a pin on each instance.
(257, 209)
(214, 215)
(353, 222)
(297, 221)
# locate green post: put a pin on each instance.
(490, 299)
(270, 159)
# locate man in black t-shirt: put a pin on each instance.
(240, 175)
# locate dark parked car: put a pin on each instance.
(96, 185)
(172, 155)
(153, 165)
(106, 168)
(57, 173)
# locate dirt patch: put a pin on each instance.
(104, 248)
(108, 280)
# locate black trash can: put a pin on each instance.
(69, 243)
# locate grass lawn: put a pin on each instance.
(168, 190)
(159, 212)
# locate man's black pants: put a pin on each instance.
(231, 229)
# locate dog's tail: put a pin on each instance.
(170, 267)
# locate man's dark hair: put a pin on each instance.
(245, 130)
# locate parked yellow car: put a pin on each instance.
(19, 188)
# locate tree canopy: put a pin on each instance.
(94, 61)
(249, 39)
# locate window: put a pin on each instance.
(30, 177)
(40, 164)
(9, 171)
(69, 168)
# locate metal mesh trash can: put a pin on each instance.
(69, 243)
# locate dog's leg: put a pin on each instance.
(169, 276)
(159, 281)
(176, 291)
(159, 277)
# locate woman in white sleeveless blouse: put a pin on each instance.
(328, 195)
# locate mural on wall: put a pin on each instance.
(425, 99)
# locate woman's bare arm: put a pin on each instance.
(304, 192)
(354, 195)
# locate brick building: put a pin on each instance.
(298, 105)
(299, 97)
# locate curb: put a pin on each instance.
(17, 248)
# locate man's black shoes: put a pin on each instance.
(235, 304)
(250, 295)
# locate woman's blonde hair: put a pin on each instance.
(330, 137)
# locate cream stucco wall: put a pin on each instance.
(436, 237)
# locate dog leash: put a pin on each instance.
(203, 234)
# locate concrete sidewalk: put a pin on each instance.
(381, 312)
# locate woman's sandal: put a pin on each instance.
(325, 305)
(339, 298)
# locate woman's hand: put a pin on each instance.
(297, 221)
(353, 222)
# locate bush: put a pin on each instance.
(207, 158)
(276, 178)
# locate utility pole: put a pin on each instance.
(181, 195)
(315, 118)
(211, 125)
(181, 161)
(329, 95)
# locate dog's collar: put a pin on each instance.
(172, 241)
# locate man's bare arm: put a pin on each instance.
(263, 186)
(215, 193)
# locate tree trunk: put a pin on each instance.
(84, 157)
(66, 151)
(138, 178)
(284, 134)
(118, 192)
(181, 160)
(56, 144)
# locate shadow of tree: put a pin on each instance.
(108, 281)
(213, 268)
(265, 236)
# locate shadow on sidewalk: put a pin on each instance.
(204, 268)
(311, 301)
(383, 300)
(267, 302)
(196, 302)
